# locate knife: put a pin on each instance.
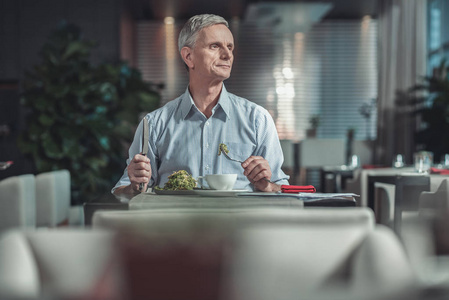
(145, 138)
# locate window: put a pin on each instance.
(330, 71)
(438, 33)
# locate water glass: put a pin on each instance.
(445, 161)
(423, 161)
(355, 161)
(398, 161)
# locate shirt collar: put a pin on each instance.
(187, 102)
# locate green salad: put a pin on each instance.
(179, 180)
(224, 147)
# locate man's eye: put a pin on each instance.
(214, 46)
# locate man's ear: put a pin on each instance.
(186, 54)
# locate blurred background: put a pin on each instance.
(77, 75)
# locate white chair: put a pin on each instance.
(434, 205)
(270, 254)
(435, 201)
(52, 198)
(282, 253)
(58, 264)
(318, 262)
(17, 202)
(384, 203)
(353, 185)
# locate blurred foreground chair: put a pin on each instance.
(426, 236)
(282, 253)
(56, 264)
(17, 202)
(232, 218)
(319, 262)
(233, 254)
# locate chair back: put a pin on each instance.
(17, 202)
(52, 198)
(56, 264)
(384, 196)
(183, 219)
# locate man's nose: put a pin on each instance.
(226, 53)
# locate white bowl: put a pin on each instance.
(220, 181)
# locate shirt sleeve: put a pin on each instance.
(269, 147)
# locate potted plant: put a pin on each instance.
(314, 122)
(81, 117)
(429, 101)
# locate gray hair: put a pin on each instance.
(189, 33)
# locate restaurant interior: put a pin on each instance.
(359, 94)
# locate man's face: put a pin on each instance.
(212, 55)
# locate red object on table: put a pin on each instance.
(298, 189)
(439, 171)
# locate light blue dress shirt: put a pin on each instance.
(182, 138)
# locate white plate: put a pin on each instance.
(219, 193)
(175, 192)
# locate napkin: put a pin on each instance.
(298, 189)
(439, 171)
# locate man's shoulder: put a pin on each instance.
(245, 104)
(166, 110)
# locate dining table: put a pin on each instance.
(408, 183)
(214, 199)
(408, 188)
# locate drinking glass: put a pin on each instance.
(445, 161)
(398, 161)
(355, 161)
(423, 161)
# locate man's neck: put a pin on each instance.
(205, 96)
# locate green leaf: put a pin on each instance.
(46, 120)
(52, 149)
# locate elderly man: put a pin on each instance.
(185, 133)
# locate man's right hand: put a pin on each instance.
(139, 171)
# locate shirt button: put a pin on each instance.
(207, 167)
(207, 123)
(207, 145)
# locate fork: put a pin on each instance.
(227, 156)
(236, 160)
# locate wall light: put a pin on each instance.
(169, 20)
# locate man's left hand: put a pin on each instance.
(257, 170)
